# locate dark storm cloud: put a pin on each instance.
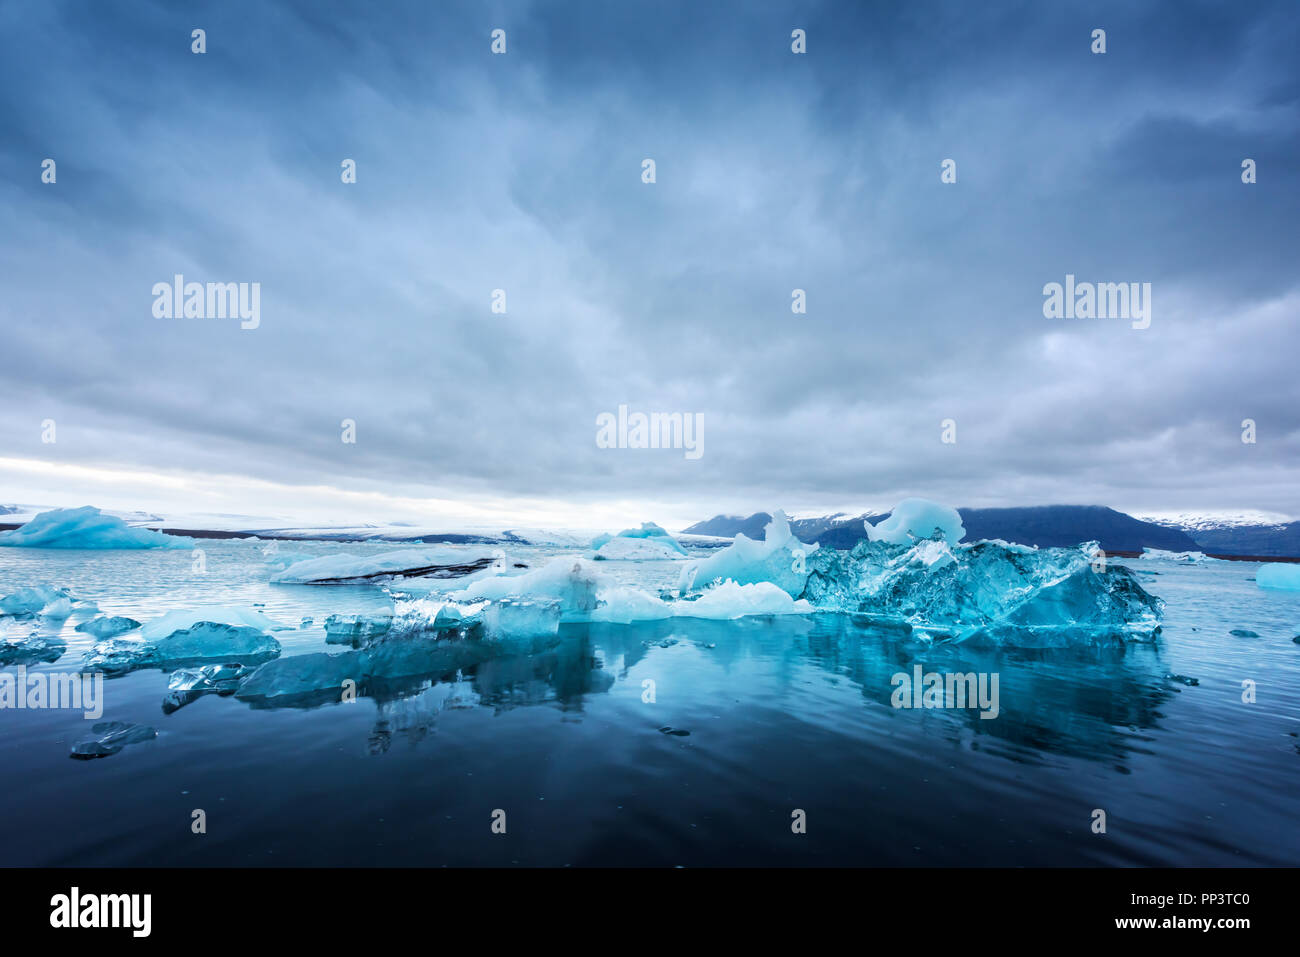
(775, 172)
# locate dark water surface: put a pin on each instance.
(782, 714)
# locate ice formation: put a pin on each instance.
(780, 558)
(915, 519)
(582, 591)
(987, 592)
(729, 600)
(106, 627)
(441, 562)
(637, 550)
(86, 527)
(346, 629)
(1160, 554)
(31, 649)
(1283, 576)
(110, 737)
(203, 641)
(656, 543)
(37, 600)
(219, 677)
(220, 614)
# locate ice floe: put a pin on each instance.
(442, 562)
(1283, 576)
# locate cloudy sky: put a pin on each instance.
(523, 172)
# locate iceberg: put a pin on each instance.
(86, 527)
(37, 600)
(915, 519)
(780, 559)
(986, 592)
(110, 737)
(582, 591)
(106, 627)
(730, 600)
(656, 543)
(637, 550)
(300, 675)
(441, 562)
(1282, 576)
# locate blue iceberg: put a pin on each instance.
(1282, 576)
(105, 627)
(86, 527)
(648, 541)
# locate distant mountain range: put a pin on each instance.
(1049, 526)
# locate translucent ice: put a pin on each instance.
(212, 640)
(30, 649)
(918, 518)
(1283, 576)
(986, 590)
(219, 677)
(780, 558)
(111, 737)
(37, 600)
(86, 527)
(729, 600)
(204, 641)
(106, 627)
(347, 629)
(305, 674)
(521, 617)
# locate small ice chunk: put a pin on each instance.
(918, 518)
(37, 600)
(1283, 576)
(345, 629)
(106, 627)
(86, 527)
(730, 600)
(521, 618)
(111, 737)
(304, 674)
(32, 649)
(219, 677)
(119, 655)
(208, 639)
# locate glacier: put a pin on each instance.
(86, 527)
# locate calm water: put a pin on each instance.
(783, 713)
